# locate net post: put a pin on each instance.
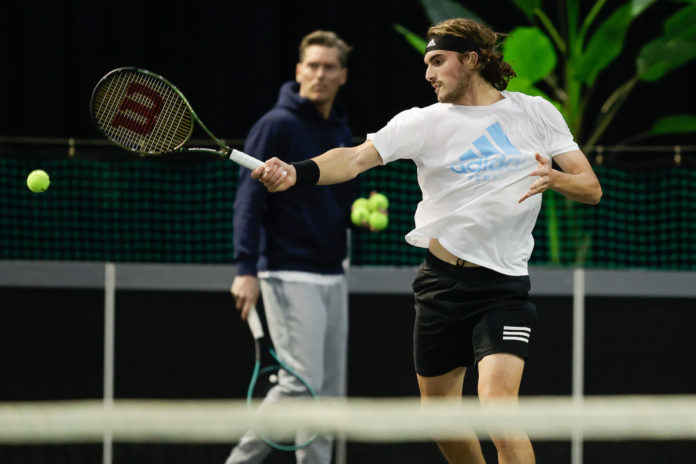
(578, 389)
(109, 342)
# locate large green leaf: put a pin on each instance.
(682, 23)
(439, 10)
(675, 124)
(520, 84)
(415, 40)
(661, 56)
(676, 47)
(607, 42)
(530, 53)
(638, 6)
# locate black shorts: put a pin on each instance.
(466, 313)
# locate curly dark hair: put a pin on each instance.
(490, 63)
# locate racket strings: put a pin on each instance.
(106, 98)
(168, 122)
(113, 96)
(142, 113)
(167, 118)
(174, 113)
(159, 140)
(119, 99)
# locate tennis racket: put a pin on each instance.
(268, 369)
(145, 113)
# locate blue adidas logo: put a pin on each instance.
(492, 156)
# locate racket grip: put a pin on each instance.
(255, 323)
(245, 160)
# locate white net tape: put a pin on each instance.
(368, 420)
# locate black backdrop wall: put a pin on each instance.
(230, 57)
(193, 345)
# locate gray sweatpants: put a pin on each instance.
(308, 324)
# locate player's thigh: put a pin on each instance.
(500, 375)
(448, 384)
(508, 325)
(442, 331)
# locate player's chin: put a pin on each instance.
(443, 97)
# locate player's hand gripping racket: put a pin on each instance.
(143, 112)
(268, 369)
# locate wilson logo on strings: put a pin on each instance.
(492, 154)
(148, 113)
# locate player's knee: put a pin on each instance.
(505, 445)
(515, 448)
(489, 392)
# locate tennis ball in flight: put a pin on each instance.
(38, 181)
(378, 202)
(378, 221)
(360, 216)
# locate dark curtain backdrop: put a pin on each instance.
(229, 58)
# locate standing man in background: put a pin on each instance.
(484, 158)
(290, 247)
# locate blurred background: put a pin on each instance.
(229, 58)
(167, 222)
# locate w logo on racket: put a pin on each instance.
(148, 113)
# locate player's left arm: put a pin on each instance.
(576, 179)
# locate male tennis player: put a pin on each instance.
(292, 245)
(483, 156)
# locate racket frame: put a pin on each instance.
(258, 333)
(237, 156)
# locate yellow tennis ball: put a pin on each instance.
(378, 202)
(360, 203)
(38, 181)
(378, 221)
(360, 216)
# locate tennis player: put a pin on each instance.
(484, 156)
(290, 247)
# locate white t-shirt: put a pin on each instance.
(473, 166)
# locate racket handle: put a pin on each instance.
(245, 160)
(255, 323)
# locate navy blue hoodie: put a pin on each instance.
(303, 228)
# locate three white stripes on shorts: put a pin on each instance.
(513, 332)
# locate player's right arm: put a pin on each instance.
(335, 166)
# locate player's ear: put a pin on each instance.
(344, 75)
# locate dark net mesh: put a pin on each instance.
(158, 210)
